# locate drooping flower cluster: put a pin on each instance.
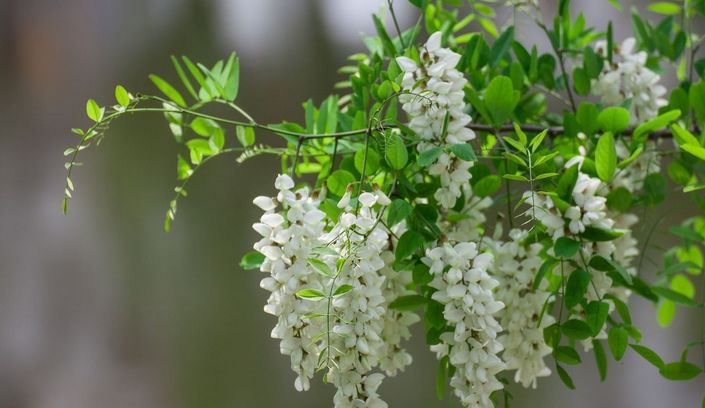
(590, 210)
(361, 315)
(628, 78)
(465, 289)
(434, 95)
(523, 318)
(355, 332)
(291, 228)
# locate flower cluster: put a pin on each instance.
(629, 79)
(434, 102)
(361, 314)
(465, 289)
(291, 228)
(523, 319)
(354, 331)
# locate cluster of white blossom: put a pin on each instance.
(358, 345)
(523, 318)
(356, 332)
(433, 91)
(291, 227)
(629, 79)
(465, 289)
(590, 211)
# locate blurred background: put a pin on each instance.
(101, 308)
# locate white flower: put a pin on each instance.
(629, 78)
(523, 320)
(466, 291)
(288, 237)
(434, 91)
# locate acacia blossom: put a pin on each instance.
(466, 290)
(358, 333)
(434, 93)
(290, 228)
(523, 318)
(362, 341)
(628, 78)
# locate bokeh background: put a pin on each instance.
(101, 308)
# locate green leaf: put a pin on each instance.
(371, 163)
(674, 296)
(576, 288)
(311, 294)
(342, 289)
(683, 136)
(499, 99)
(592, 63)
(463, 151)
(595, 315)
(204, 127)
(666, 8)
(600, 359)
(606, 157)
(665, 313)
(566, 247)
(619, 199)
(613, 119)
(501, 46)
(321, 267)
(245, 135)
(536, 143)
(696, 151)
(395, 152)
(587, 117)
(565, 377)
(409, 243)
(121, 96)
(576, 329)
(680, 371)
(398, 210)
(183, 169)
(600, 235)
(441, 378)
(408, 303)
(567, 355)
(487, 186)
(428, 157)
(94, 111)
(338, 182)
(232, 81)
(566, 183)
(168, 90)
(648, 354)
(546, 267)
(387, 43)
(618, 340)
(697, 100)
(606, 265)
(184, 78)
(581, 81)
(657, 123)
(251, 260)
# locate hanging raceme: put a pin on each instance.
(503, 196)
